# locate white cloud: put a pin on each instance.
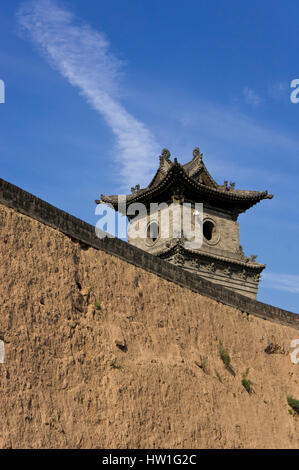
(232, 126)
(284, 282)
(251, 97)
(82, 56)
(237, 145)
(279, 91)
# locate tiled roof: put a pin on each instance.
(196, 178)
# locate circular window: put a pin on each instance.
(152, 232)
(210, 232)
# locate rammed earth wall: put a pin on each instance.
(105, 346)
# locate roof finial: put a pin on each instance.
(165, 155)
(135, 189)
(197, 154)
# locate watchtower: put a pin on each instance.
(220, 258)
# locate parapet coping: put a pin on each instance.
(31, 206)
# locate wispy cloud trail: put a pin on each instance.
(283, 282)
(82, 56)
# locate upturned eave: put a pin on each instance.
(239, 200)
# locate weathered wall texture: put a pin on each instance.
(125, 374)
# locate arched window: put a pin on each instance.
(153, 231)
(208, 230)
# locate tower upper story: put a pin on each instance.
(192, 182)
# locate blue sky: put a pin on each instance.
(94, 91)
